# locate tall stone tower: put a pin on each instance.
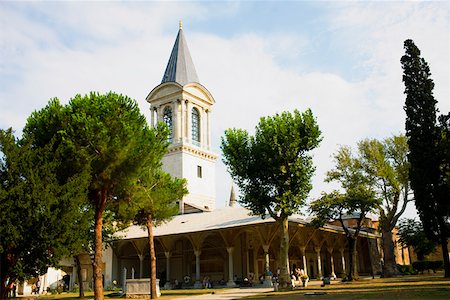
(185, 105)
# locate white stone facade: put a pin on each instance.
(187, 157)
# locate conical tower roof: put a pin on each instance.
(180, 67)
(232, 196)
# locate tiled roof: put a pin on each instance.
(222, 218)
(180, 67)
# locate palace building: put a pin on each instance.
(227, 244)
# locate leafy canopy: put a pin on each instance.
(273, 168)
(412, 234)
(156, 196)
(358, 199)
(40, 217)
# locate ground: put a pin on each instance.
(427, 286)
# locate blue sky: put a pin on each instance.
(257, 58)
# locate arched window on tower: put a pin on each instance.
(195, 126)
(167, 118)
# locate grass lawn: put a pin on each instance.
(415, 287)
(165, 295)
(405, 287)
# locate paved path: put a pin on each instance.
(237, 293)
(229, 294)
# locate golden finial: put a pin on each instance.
(181, 24)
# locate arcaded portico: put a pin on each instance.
(228, 244)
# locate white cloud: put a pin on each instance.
(60, 50)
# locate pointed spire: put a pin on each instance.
(232, 197)
(180, 67)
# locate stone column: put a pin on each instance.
(230, 267)
(330, 251)
(319, 263)
(208, 117)
(124, 280)
(141, 265)
(343, 260)
(183, 120)
(197, 268)
(175, 122)
(152, 116)
(267, 278)
(255, 263)
(168, 285)
(189, 121)
(159, 114)
(305, 266)
(73, 278)
(204, 128)
(266, 259)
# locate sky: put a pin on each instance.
(257, 58)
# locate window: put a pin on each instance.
(199, 171)
(195, 126)
(167, 118)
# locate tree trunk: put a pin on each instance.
(153, 294)
(352, 266)
(7, 262)
(284, 277)
(389, 266)
(3, 275)
(79, 276)
(445, 257)
(98, 246)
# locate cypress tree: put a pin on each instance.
(424, 142)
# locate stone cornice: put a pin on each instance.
(199, 152)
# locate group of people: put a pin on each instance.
(35, 288)
(207, 283)
(11, 286)
(296, 275)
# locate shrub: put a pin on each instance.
(406, 269)
(421, 266)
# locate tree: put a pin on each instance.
(444, 125)
(427, 173)
(385, 163)
(107, 136)
(412, 235)
(32, 204)
(358, 200)
(273, 169)
(156, 197)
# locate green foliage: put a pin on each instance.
(358, 200)
(156, 195)
(412, 234)
(431, 190)
(273, 168)
(33, 204)
(385, 164)
(406, 269)
(426, 265)
(429, 155)
(107, 138)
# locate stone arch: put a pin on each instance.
(214, 257)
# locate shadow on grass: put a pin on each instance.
(404, 287)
